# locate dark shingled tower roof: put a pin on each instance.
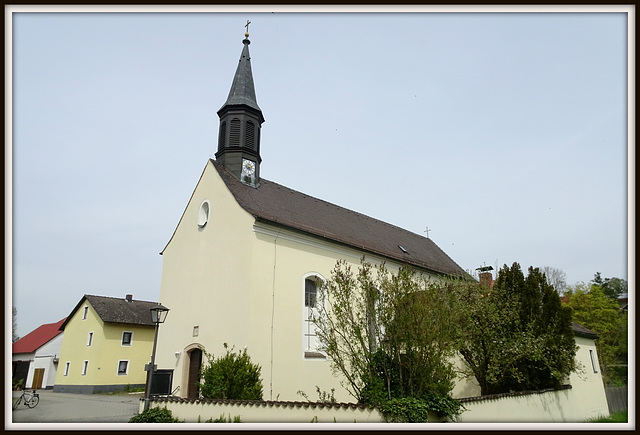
(118, 310)
(242, 90)
(277, 204)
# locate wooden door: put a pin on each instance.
(195, 360)
(38, 376)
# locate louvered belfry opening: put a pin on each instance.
(249, 136)
(222, 135)
(234, 133)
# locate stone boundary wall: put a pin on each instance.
(544, 406)
(251, 411)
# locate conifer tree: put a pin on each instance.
(516, 336)
(542, 315)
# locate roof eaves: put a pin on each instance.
(330, 237)
(582, 331)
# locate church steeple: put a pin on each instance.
(240, 123)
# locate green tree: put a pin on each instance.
(611, 287)
(389, 335)
(556, 278)
(516, 336)
(595, 310)
(489, 339)
(232, 377)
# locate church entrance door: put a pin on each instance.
(193, 385)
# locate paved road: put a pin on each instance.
(78, 408)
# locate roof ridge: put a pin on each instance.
(282, 205)
(121, 299)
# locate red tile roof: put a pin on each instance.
(38, 337)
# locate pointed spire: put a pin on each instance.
(242, 90)
(240, 124)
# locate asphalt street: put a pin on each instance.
(76, 408)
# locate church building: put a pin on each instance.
(242, 264)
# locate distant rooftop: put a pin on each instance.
(37, 338)
(118, 310)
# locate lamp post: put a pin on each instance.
(158, 316)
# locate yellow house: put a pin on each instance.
(241, 265)
(107, 342)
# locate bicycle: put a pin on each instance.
(30, 398)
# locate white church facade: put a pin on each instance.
(240, 266)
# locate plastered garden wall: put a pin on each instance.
(545, 406)
(193, 411)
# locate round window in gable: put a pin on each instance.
(203, 214)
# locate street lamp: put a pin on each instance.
(158, 316)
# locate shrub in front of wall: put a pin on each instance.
(154, 415)
(416, 410)
(231, 377)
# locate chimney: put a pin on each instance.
(129, 298)
(486, 279)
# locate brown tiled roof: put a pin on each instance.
(118, 310)
(280, 205)
(581, 331)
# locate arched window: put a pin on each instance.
(250, 136)
(234, 133)
(311, 308)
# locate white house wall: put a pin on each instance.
(23, 356)
(45, 357)
(587, 383)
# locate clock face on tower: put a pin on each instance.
(248, 167)
(248, 175)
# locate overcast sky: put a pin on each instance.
(504, 134)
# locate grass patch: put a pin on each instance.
(616, 417)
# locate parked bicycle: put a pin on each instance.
(30, 399)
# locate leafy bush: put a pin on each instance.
(231, 377)
(444, 406)
(405, 410)
(154, 415)
(416, 410)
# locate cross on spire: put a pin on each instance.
(427, 231)
(247, 26)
